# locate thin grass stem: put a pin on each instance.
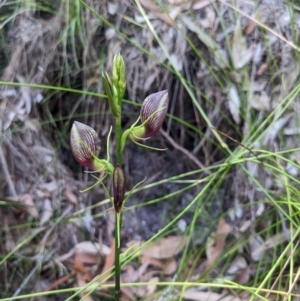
(117, 256)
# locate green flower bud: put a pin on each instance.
(119, 75)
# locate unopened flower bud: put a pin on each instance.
(119, 75)
(118, 188)
(85, 145)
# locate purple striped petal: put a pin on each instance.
(85, 144)
(153, 112)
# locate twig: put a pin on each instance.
(6, 173)
(183, 150)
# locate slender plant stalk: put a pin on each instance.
(118, 217)
(117, 257)
(118, 141)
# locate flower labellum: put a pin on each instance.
(153, 113)
(85, 145)
(118, 188)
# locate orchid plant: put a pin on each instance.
(85, 143)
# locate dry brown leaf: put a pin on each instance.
(125, 297)
(129, 275)
(109, 261)
(133, 275)
(198, 4)
(262, 68)
(223, 227)
(238, 270)
(237, 264)
(92, 248)
(142, 270)
(216, 242)
(243, 276)
(155, 262)
(168, 267)
(87, 258)
(27, 200)
(158, 12)
(70, 195)
(193, 294)
(143, 291)
(151, 287)
(80, 283)
(165, 248)
(47, 212)
(148, 275)
(140, 291)
(81, 271)
(59, 282)
(151, 6)
(133, 245)
(248, 29)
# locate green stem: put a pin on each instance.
(117, 256)
(118, 221)
(118, 141)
